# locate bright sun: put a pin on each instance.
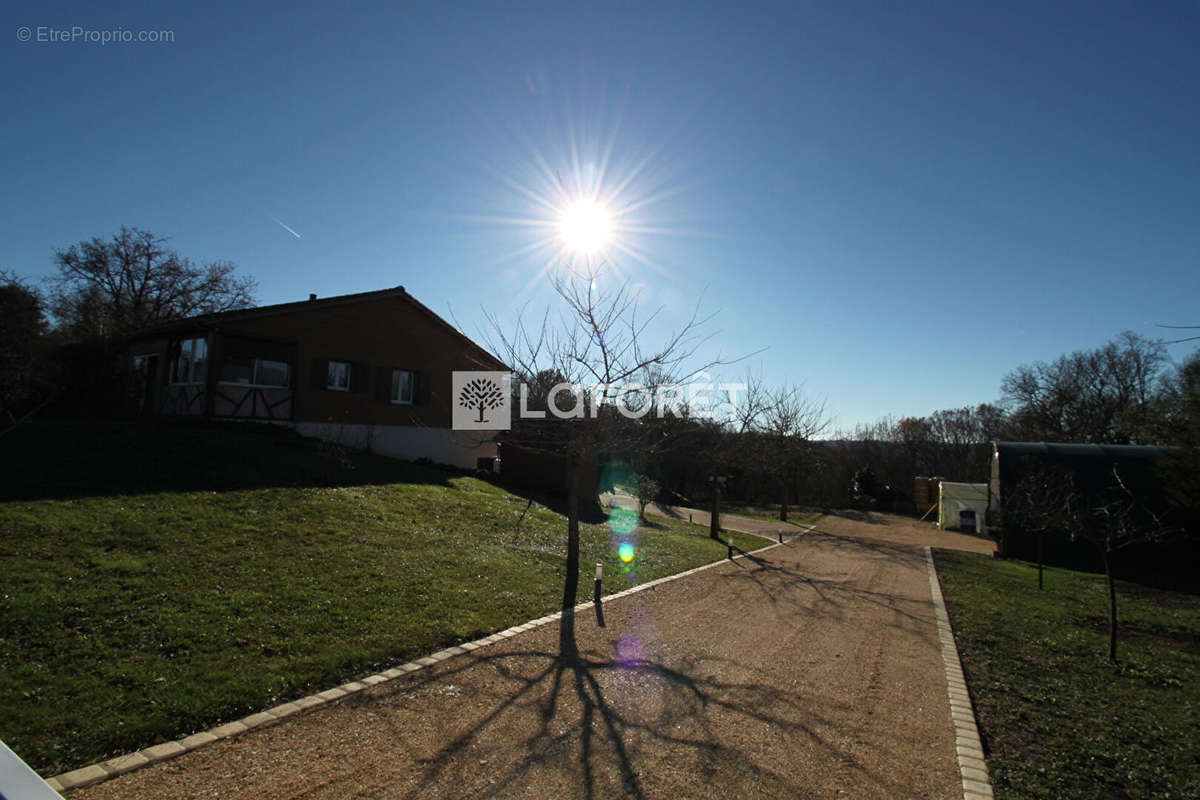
(585, 226)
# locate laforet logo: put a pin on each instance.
(481, 394)
(482, 401)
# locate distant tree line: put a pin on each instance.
(60, 343)
(777, 448)
(1124, 392)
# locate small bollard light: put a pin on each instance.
(781, 537)
(596, 595)
(729, 544)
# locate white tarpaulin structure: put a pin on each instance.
(954, 498)
(19, 782)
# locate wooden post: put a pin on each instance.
(714, 522)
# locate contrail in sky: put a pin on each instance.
(280, 223)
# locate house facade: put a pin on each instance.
(370, 370)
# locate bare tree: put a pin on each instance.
(951, 442)
(598, 349)
(22, 327)
(792, 420)
(962, 437)
(744, 443)
(1179, 421)
(749, 412)
(110, 287)
(874, 446)
(916, 437)
(1044, 502)
(1098, 396)
(774, 429)
(1108, 509)
(1118, 519)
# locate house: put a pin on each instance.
(370, 370)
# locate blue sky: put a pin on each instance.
(900, 202)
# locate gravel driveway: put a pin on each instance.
(811, 670)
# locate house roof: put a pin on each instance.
(1073, 450)
(221, 318)
(1091, 464)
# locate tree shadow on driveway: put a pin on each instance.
(626, 712)
(629, 726)
(834, 594)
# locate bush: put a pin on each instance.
(647, 491)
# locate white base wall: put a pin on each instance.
(441, 445)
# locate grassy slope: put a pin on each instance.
(128, 616)
(1057, 720)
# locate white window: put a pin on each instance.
(339, 376)
(403, 384)
(188, 366)
(255, 372)
(271, 373)
(238, 370)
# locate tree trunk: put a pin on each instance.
(1041, 540)
(783, 505)
(566, 638)
(1112, 606)
(714, 523)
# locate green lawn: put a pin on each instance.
(160, 579)
(1057, 720)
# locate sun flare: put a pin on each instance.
(580, 197)
(586, 226)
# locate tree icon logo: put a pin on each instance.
(480, 395)
(482, 401)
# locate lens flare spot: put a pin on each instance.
(623, 521)
(625, 551)
(629, 651)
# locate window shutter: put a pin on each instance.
(320, 373)
(421, 388)
(383, 384)
(360, 377)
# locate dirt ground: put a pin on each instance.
(810, 670)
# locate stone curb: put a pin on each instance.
(96, 773)
(968, 746)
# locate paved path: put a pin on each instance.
(811, 670)
(768, 529)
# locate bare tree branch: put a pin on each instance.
(108, 288)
